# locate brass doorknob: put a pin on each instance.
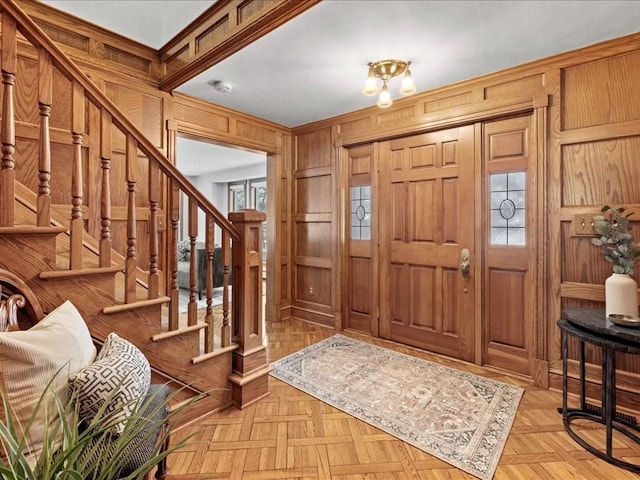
(465, 264)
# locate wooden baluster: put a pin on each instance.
(7, 168)
(249, 380)
(105, 197)
(154, 195)
(77, 224)
(192, 308)
(173, 209)
(209, 246)
(45, 93)
(131, 263)
(225, 257)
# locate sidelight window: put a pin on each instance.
(361, 212)
(507, 192)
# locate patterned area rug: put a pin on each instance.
(461, 418)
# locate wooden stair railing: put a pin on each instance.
(244, 333)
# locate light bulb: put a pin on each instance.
(407, 87)
(384, 101)
(370, 85)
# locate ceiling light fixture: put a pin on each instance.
(386, 70)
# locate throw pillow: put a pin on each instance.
(39, 358)
(111, 386)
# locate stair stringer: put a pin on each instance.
(29, 254)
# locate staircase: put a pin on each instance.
(121, 277)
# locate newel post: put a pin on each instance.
(250, 367)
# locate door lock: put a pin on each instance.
(465, 265)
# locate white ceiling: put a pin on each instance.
(195, 158)
(314, 66)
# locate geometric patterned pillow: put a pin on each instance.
(118, 377)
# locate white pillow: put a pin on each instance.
(30, 359)
(120, 375)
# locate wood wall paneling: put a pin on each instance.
(26, 91)
(144, 110)
(94, 47)
(601, 92)
(65, 36)
(313, 285)
(313, 233)
(61, 109)
(396, 115)
(200, 119)
(313, 195)
(598, 166)
(512, 88)
(192, 114)
(583, 262)
(311, 239)
(205, 40)
(601, 173)
(314, 150)
(455, 100)
(351, 128)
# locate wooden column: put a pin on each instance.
(250, 367)
(45, 94)
(105, 195)
(78, 127)
(8, 134)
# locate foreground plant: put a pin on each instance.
(78, 450)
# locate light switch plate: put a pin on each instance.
(582, 225)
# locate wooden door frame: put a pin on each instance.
(273, 303)
(537, 106)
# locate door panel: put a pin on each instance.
(427, 212)
(509, 268)
(360, 296)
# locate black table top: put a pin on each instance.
(596, 321)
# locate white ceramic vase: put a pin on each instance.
(621, 295)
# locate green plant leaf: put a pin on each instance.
(70, 458)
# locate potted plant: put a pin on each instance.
(78, 450)
(616, 241)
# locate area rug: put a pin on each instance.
(216, 299)
(458, 417)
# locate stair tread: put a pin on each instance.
(123, 307)
(78, 272)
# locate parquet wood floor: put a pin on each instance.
(291, 435)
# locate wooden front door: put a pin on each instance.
(427, 218)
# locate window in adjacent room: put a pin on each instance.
(250, 194)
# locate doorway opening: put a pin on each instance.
(232, 178)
